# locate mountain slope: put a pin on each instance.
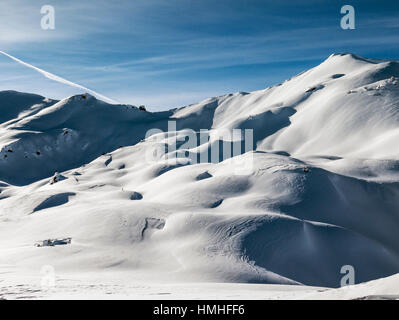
(16, 104)
(315, 189)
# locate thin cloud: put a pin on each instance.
(56, 78)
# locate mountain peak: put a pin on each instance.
(352, 56)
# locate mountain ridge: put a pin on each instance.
(316, 190)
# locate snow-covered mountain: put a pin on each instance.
(321, 190)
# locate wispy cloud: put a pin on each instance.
(58, 79)
(138, 49)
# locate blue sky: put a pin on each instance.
(169, 53)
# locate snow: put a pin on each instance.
(319, 191)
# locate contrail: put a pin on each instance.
(59, 79)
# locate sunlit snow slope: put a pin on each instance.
(320, 189)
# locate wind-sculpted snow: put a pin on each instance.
(320, 188)
(15, 105)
